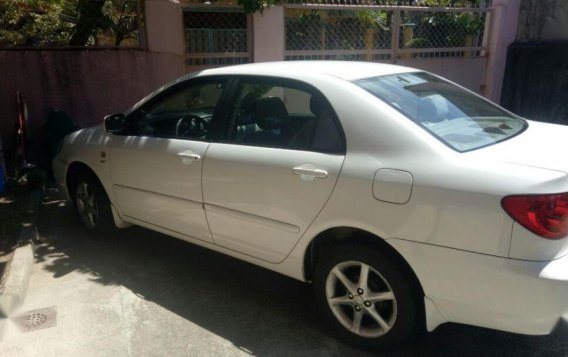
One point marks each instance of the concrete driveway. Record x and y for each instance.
(140, 293)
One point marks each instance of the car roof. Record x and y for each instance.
(347, 70)
(299, 70)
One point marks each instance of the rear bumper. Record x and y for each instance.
(505, 294)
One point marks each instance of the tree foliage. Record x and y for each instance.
(455, 3)
(35, 23)
(252, 6)
(31, 23)
(374, 19)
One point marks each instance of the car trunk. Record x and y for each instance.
(542, 146)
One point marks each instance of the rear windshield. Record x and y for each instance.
(458, 118)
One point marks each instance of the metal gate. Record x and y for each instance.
(361, 31)
(214, 37)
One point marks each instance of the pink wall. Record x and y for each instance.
(85, 84)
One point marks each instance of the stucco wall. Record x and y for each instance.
(85, 84)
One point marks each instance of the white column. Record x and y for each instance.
(502, 32)
(268, 35)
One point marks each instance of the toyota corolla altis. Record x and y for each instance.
(406, 200)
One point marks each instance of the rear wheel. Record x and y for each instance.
(366, 298)
(92, 204)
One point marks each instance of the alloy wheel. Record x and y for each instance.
(361, 299)
(87, 207)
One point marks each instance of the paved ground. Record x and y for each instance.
(144, 294)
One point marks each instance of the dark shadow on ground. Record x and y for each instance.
(15, 212)
(257, 310)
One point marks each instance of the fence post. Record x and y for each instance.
(164, 26)
(395, 23)
(269, 34)
(141, 19)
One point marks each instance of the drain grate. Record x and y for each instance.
(37, 319)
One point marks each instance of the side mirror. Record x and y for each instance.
(115, 123)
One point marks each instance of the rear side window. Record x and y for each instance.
(458, 118)
(282, 115)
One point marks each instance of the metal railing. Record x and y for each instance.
(71, 24)
(370, 31)
(447, 4)
(216, 38)
(216, 47)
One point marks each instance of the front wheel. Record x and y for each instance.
(92, 204)
(366, 298)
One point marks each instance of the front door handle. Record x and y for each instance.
(187, 157)
(308, 172)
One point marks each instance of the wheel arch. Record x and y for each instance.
(75, 168)
(350, 235)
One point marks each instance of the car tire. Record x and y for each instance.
(92, 204)
(382, 313)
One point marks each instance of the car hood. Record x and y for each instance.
(541, 145)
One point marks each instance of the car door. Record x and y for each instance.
(156, 164)
(275, 169)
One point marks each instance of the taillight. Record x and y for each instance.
(544, 215)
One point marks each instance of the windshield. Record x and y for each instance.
(458, 118)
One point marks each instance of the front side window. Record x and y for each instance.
(185, 113)
(458, 118)
(284, 116)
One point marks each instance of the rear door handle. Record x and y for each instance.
(187, 157)
(308, 172)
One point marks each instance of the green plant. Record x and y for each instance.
(419, 42)
(307, 19)
(90, 18)
(374, 19)
(451, 3)
(449, 29)
(471, 24)
(32, 23)
(252, 6)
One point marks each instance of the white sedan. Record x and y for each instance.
(406, 200)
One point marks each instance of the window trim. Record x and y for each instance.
(284, 82)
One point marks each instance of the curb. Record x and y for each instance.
(18, 279)
(20, 269)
